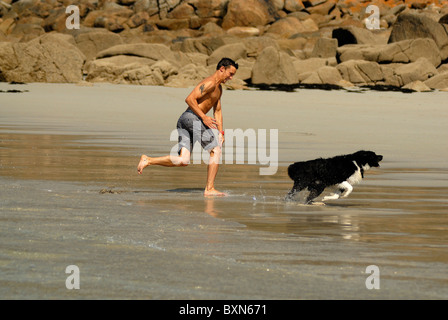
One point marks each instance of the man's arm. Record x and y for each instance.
(197, 94)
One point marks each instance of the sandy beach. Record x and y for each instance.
(70, 195)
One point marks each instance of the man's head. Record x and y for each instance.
(227, 67)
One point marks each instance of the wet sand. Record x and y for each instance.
(70, 195)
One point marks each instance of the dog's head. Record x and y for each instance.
(367, 159)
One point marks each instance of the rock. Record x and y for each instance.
(182, 11)
(209, 8)
(49, 58)
(411, 50)
(152, 51)
(390, 78)
(235, 84)
(138, 19)
(399, 52)
(355, 35)
(444, 19)
(121, 69)
(419, 70)
(289, 26)
(255, 45)
(309, 65)
(245, 67)
(413, 26)
(205, 45)
(244, 31)
(324, 75)
(173, 24)
(91, 43)
(7, 26)
(211, 29)
(439, 81)
(293, 5)
(113, 19)
(325, 48)
(55, 21)
(187, 76)
(27, 31)
(274, 67)
(195, 58)
(442, 68)
(360, 72)
(322, 9)
(417, 86)
(249, 13)
(233, 51)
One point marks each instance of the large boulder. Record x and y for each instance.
(233, 51)
(121, 69)
(361, 72)
(48, 58)
(419, 70)
(439, 81)
(325, 48)
(289, 26)
(399, 52)
(205, 45)
(418, 86)
(324, 75)
(151, 51)
(309, 65)
(414, 26)
(209, 8)
(274, 67)
(355, 35)
(91, 43)
(188, 76)
(249, 13)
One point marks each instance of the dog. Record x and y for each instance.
(341, 171)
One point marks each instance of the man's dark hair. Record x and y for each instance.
(226, 62)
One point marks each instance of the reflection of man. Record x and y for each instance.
(205, 96)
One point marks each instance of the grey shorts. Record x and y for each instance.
(190, 129)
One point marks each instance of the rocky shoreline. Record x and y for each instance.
(277, 43)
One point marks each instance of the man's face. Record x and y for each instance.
(228, 73)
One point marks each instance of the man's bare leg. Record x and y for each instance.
(212, 171)
(166, 161)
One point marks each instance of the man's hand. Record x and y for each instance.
(210, 122)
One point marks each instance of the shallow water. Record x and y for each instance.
(70, 194)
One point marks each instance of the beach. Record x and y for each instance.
(70, 195)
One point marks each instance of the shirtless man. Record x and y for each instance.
(205, 96)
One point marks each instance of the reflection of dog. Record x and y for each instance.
(341, 171)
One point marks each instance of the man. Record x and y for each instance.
(194, 124)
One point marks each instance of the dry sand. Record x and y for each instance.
(70, 195)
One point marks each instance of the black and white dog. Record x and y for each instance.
(341, 171)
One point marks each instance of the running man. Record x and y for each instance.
(194, 125)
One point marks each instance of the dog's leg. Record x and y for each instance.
(333, 196)
(347, 187)
(291, 194)
(315, 191)
(296, 188)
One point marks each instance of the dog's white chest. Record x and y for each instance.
(356, 177)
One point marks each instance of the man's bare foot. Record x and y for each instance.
(144, 162)
(214, 193)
